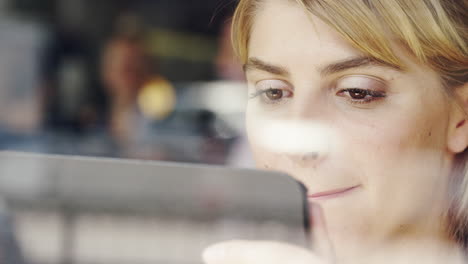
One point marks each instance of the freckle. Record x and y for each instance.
(266, 166)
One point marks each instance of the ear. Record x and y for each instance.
(458, 137)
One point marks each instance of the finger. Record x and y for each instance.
(320, 240)
(261, 252)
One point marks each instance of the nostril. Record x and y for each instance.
(306, 159)
(310, 156)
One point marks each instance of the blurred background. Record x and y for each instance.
(135, 79)
(145, 79)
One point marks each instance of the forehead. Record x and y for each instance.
(284, 32)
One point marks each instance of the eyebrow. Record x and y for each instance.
(354, 62)
(257, 64)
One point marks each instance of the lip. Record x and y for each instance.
(332, 193)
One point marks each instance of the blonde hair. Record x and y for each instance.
(434, 31)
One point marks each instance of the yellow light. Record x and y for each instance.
(157, 99)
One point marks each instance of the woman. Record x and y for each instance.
(385, 84)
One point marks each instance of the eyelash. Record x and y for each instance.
(260, 92)
(374, 95)
(263, 93)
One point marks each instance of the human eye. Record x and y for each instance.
(272, 91)
(361, 89)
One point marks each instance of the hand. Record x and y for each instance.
(269, 252)
(258, 252)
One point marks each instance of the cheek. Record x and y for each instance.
(402, 161)
(408, 131)
(264, 158)
(267, 160)
(257, 153)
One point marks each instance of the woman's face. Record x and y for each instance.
(379, 134)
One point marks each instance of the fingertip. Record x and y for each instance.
(317, 218)
(225, 252)
(315, 210)
(214, 254)
(254, 252)
(319, 236)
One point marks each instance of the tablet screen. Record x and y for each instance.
(67, 209)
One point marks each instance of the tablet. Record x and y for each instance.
(102, 210)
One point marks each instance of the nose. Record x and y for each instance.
(307, 160)
(308, 114)
(310, 156)
(302, 140)
(309, 104)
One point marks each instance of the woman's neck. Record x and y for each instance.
(425, 251)
(411, 247)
